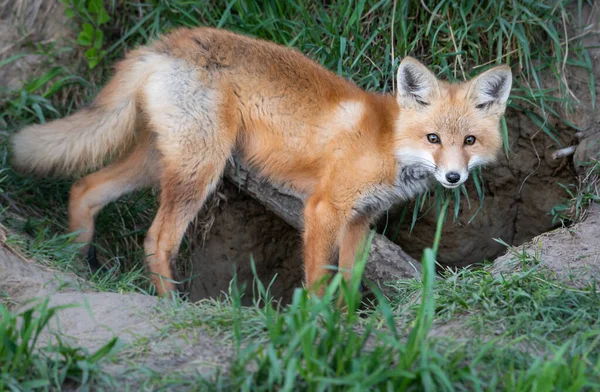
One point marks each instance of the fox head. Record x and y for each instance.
(449, 129)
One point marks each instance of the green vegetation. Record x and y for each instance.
(92, 15)
(24, 365)
(463, 330)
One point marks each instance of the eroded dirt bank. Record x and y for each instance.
(139, 321)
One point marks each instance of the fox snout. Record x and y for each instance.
(451, 178)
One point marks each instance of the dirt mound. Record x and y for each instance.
(22, 280)
(571, 254)
(137, 320)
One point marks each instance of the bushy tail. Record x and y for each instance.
(83, 140)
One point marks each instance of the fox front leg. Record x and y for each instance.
(323, 223)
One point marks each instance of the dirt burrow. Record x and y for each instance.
(242, 230)
(140, 323)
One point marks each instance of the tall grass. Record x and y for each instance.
(354, 38)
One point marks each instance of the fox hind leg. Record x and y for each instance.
(183, 193)
(90, 194)
(196, 132)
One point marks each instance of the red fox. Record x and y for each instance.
(177, 109)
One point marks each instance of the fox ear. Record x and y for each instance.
(417, 85)
(490, 90)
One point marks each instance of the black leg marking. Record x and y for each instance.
(91, 256)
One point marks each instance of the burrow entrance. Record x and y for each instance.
(244, 230)
(520, 192)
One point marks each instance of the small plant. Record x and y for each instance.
(93, 14)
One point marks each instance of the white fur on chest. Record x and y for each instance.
(411, 180)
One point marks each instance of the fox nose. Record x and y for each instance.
(452, 177)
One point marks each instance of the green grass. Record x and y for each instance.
(518, 332)
(26, 365)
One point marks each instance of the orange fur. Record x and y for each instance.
(177, 109)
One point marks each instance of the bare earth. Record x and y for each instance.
(572, 254)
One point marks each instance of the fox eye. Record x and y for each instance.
(433, 138)
(470, 140)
